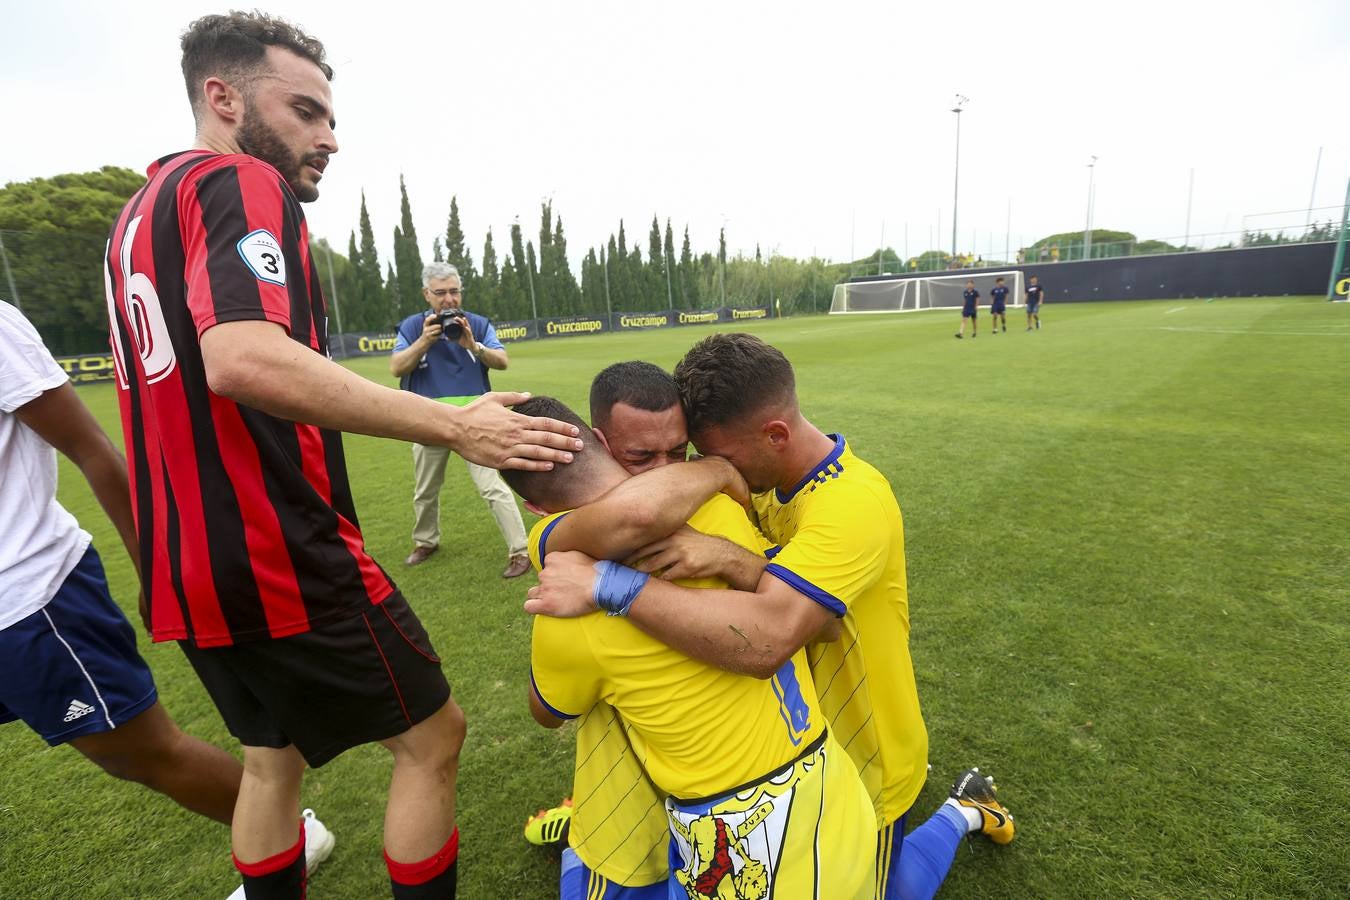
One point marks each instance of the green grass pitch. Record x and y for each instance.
(1129, 592)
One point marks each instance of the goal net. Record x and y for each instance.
(930, 292)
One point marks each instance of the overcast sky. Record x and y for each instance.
(805, 127)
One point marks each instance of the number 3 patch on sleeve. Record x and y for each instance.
(262, 253)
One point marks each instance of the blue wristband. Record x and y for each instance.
(617, 587)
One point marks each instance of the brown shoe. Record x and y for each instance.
(420, 555)
(516, 566)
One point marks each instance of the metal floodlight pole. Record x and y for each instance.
(1087, 225)
(956, 178)
(1190, 195)
(1313, 194)
(1338, 263)
(1007, 234)
(881, 250)
(332, 285)
(534, 308)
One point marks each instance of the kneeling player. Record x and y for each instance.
(760, 798)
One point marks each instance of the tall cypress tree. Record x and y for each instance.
(489, 281)
(607, 259)
(407, 257)
(532, 282)
(668, 263)
(546, 289)
(656, 269)
(515, 303)
(457, 253)
(565, 283)
(373, 300)
(689, 286)
(393, 300)
(591, 285)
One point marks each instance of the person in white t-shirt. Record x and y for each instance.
(57, 616)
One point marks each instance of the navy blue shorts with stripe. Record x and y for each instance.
(72, 668)
(364, 678)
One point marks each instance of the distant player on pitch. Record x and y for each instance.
(1035, 294)
(998, 309)
(970, 306)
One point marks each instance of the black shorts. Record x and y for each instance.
(364, 678)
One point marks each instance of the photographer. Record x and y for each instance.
(445, 354)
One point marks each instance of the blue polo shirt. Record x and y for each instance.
(1000, 294)
(447, 370)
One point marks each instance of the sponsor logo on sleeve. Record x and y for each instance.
(262, 252)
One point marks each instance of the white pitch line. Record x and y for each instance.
(1178, 309)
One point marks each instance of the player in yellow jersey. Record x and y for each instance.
(842, 554)
(761, 799)
(614, 823)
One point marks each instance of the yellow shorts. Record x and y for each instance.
(803, 832)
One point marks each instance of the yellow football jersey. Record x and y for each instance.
(843, 546)
(699, 730)
(619, 826)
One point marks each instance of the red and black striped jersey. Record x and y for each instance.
(246, 521)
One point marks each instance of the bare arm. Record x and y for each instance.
(404, 361)
(61, 419)
(645, 507)
(255, 363)
(689, 553)
(494, 358)
(748, 633)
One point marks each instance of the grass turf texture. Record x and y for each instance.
(1128, 582)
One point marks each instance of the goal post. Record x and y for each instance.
(924, 292)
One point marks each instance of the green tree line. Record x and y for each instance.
(53, 233)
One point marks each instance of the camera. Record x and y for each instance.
(451, 327)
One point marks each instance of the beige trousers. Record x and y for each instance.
(429, 475)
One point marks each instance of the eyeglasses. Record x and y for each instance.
(447, 292)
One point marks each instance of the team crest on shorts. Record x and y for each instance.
(731, 848)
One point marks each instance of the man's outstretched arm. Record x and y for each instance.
(689, 553)
(256, 364)
(645, 507)
(61, 419)
(739, 631)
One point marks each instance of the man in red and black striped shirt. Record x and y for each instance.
(251, 551)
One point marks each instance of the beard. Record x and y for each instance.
(258, 139)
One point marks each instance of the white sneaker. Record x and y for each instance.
(319, 843)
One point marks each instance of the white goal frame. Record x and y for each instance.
(923, 292)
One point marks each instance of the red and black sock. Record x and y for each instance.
(280, 877)
(430, 879)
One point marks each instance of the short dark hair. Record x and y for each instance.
(998, 280)
(725, 377)
(233, 47)
(639, 384)
(565, 485)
